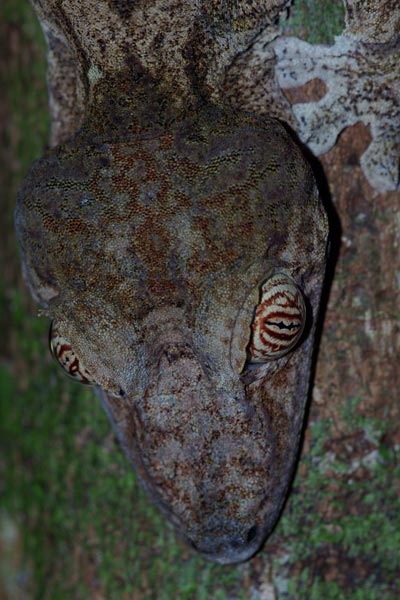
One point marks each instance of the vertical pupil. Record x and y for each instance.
(281, 324)
(278, 321)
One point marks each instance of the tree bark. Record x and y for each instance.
(338, 534)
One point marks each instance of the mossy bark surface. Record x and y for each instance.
(70, 502)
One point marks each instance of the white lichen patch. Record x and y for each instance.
(94, 74)
(362, 74)
(361, 85)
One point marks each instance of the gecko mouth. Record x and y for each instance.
(234, 549)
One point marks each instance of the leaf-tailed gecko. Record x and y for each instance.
(178, 247)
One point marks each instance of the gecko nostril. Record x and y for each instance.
(251, 534)
(242, 542)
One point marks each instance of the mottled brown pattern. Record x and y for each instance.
(146, 237)
(188, 46)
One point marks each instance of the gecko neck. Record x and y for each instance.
(134, 103)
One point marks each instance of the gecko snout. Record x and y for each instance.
(234, 548)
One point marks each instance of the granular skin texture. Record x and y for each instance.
(146, 237)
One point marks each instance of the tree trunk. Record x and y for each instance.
(338, 536)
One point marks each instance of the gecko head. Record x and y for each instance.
(203, 420)
(178, 268)
(216, 452)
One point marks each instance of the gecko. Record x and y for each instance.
(178, 247)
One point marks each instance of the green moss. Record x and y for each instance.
(361, 527)
(65, 483)
(316, 21)
(24, 83)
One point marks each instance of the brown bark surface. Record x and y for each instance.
(338, 536)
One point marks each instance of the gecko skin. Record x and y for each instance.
(147, 238)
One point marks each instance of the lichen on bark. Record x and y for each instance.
(361, 71)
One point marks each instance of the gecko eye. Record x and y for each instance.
(279, 319)
(64, 354)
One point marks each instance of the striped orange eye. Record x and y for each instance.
(63, 353)
(278, 321)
